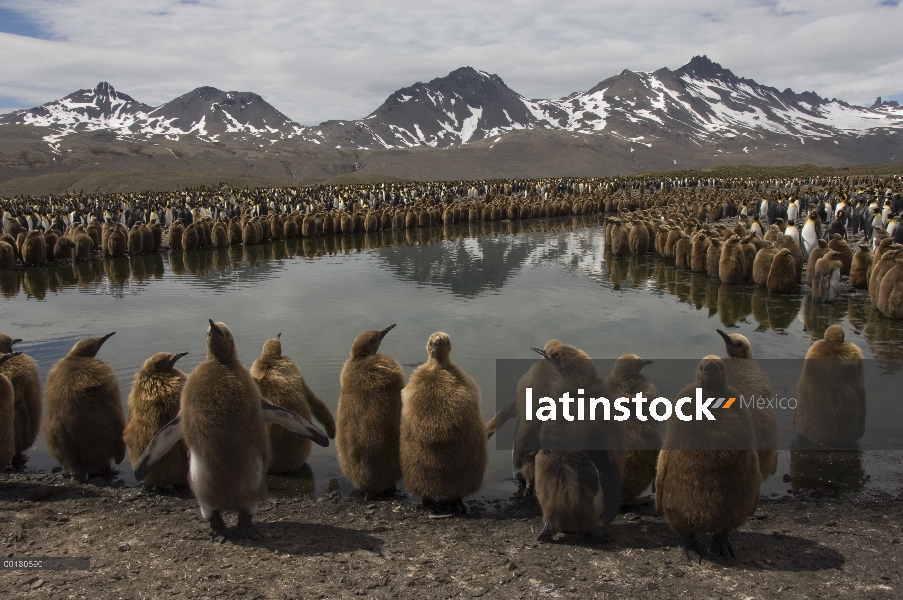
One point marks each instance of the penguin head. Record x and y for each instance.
(439, 346)
(7, 343)
(711, 372)
(88, 348)
(834, 334)
(162, 362)
(832, 255)
(560, 355)
(220, 343)
(367, 343)
(272, 348)
(629, 365)
(737, 345)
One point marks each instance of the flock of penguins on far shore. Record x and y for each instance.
(214, 428)
(771, 245)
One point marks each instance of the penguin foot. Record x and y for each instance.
(18, 462)
(383, 495)
(217, 528)
(457, 507)
(547, 533)
(530, 489)
(430, 504)
(245, 528)
(721, 545)
(691, 548)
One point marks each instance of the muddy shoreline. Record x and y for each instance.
(155, 545)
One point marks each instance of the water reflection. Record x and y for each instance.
(820, 473)
(470, 259)
(818, 316)
(300, 483)
(488, 276)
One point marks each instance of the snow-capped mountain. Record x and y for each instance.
(205, 112)
(699, 103)
(701, 100)
(100, 108)
(210, 112)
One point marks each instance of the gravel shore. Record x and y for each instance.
(155, 545)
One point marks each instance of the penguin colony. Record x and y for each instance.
(576, 488)
(677, 218)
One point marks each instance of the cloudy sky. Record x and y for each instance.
(339, 59)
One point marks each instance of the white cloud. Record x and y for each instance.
(319, 60)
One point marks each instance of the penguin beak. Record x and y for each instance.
(383, 333)
(14, 342)
(541, 352)
(6, 357)
(177, 357)
(214, 328)
(646, 363)
(105, 338)
(727, 338)
(279, 336)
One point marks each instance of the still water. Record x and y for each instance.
(496, 288)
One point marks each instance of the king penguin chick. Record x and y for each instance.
(831, 391)
(540, 379)
(222, 419)
(22, 372)
(708, 471)
(782, 274)
(579, 465)
(862, 263)
(732, 264)
(154, 402)
(746, 376)
(7, 416)
(890, 296)
(443, 442)
(369, 416)
(84, 421)
(282, 384)
(826, 283)
(643, 437)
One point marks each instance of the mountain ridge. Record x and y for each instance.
(468, 122)
(700, 98)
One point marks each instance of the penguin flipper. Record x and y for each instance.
(321, 413)
(500, 418)
(294, 422)
(609, 484)
(818, 286)
(120, 451)
(160, 445)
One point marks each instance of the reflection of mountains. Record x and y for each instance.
(465, 266)
(486, 255)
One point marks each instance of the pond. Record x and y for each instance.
(496, 288)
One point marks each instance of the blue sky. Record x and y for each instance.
(322, 59)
